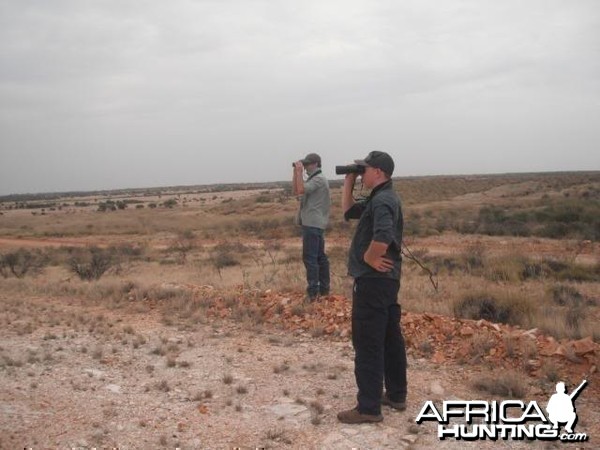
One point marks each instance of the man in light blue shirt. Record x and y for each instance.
(313, 217)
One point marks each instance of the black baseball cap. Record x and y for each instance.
(311, 158)
(378, 160)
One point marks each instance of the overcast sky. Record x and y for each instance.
(116, 94)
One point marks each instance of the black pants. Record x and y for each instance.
(380, 354)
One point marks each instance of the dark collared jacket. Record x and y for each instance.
(380, 220)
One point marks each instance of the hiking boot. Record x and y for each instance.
(399, 406)
(324, 293)
(353, 416)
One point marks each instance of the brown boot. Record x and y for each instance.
(400, 406)
(353, 416)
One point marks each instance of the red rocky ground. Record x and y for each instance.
(442, 339)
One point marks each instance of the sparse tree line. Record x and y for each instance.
(103, 206)
(141, 192)
(571, 218)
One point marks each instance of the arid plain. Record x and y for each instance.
(174, 317)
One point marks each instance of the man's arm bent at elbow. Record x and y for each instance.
(375, 257)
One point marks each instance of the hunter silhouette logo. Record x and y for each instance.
(560, 407)
(508, 419)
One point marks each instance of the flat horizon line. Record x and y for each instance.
(260, 184)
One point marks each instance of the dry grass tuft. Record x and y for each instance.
(504, 383)
(283, 367)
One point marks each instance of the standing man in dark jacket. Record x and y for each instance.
(313, 216)
(375, 264)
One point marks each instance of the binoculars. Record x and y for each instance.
(350, 168)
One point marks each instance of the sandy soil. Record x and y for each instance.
(85, 376)
(76, 374)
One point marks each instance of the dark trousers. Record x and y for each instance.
(315, 261)
(380, 354)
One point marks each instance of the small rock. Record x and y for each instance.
(94, 373)
(410, 438)
(466, 331)
(583, 346)
(349, 431)
(438, 357)
(534, 363)
(531, 334)
(414, 429)
(114, 388)
(436, 389)
(288, 410)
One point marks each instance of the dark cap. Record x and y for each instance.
(378, 160)
(311, 158)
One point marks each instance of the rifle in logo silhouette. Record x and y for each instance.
(575, 393)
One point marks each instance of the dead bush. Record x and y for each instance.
(182, 245)
(20, 262)
(224, 259)
(509, 309)
(566, 296)
(92, 263)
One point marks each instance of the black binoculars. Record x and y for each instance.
(350, 168)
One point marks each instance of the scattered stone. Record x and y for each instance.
(583, 346)
(288, 410)
(410, 438)
(438, 357)
(534, 364)
(531, 333)
(94, 373)
(466, 331)
(114, 388)
(349, 431)
(414, 429)
(436, 389)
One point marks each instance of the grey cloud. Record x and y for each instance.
(170, 85)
